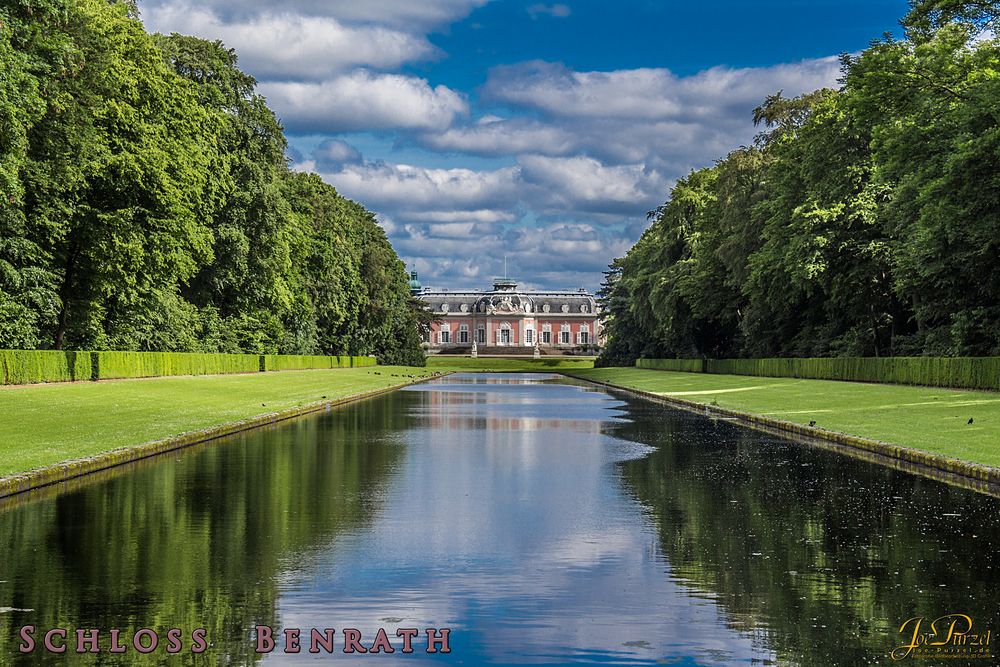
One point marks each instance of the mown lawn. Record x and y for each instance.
(44, 424)
(932, 419)
(500, 364)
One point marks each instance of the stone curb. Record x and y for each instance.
(964, 473)
(67, 470)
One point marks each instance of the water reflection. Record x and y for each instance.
(517, 533)
(541, 520)
(819, 556)
(203, 539)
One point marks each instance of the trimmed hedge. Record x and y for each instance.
(34, 366)
(681, 365)
(956, 372)
(301, 362)
(114, 365)
(281, 362)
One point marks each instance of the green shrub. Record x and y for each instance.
(957, 372)
(32, 366)
(681, 365)
(288, 362)
(268, 362)
(113, 365)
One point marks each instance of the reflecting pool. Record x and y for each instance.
(540, 519)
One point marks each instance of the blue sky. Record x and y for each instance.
(542, 132)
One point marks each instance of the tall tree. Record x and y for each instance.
(147, 203)
(863, 221)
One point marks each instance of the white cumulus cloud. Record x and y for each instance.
(286, 46)
(584, 184)
(407, 189)
(651, 93)
(503, 137)
(362, 100)
(402, 14)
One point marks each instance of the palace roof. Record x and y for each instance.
(506, 299)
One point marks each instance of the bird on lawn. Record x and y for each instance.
(812, 422)
(970, 421)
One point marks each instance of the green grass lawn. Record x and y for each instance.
(500, 364)
(45, 424)
(932, 419)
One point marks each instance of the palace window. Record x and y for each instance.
(584, 335)
(463, 333)
(445, 336)
(503, 335)
(481, 334)
(529, 336)
(546, 337)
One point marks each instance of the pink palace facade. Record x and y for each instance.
(507, 320)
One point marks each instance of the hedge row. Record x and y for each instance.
(283, 362)
(28, 366)
(33, 366)
(113, 365)
(682, 365)
(957, 372)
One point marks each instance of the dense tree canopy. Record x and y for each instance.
(146, 203)
(862, 221)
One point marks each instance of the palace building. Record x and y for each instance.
(506, 320)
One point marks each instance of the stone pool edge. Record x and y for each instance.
(65, 471)
(969, 475)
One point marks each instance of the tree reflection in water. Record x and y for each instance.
(820, 555)
(200, 542)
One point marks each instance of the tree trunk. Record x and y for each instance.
(64, 296)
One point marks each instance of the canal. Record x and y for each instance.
(541, 520)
